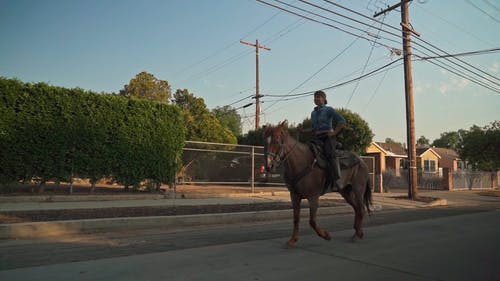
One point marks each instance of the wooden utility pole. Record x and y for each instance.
(257, 94)
(410, 112)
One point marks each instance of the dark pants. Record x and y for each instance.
(329, 146)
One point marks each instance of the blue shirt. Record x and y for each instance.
(323, 116)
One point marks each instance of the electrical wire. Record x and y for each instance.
(457, 64)
(471, 53)
(314, 74)
(460, 73)
(324, 23)
(491, 5)
(369, 74)
(363, 71)
(481, 10)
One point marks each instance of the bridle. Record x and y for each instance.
(279, 156)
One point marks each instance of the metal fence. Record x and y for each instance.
(474, 180)
(230, 164)
(461, 179)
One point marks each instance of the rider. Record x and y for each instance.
(327, 123)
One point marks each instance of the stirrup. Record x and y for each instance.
(337, 185)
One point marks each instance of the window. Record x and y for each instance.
(429, 165)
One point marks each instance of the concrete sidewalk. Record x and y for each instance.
(62, 202)
(43, 229)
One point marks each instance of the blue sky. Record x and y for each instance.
(194, 44)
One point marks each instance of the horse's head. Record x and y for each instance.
(274, 138)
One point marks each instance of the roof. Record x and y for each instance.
(446, 153)
(392, 149)
(422, 150)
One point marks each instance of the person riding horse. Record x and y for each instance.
(323, 118)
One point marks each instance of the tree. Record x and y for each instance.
(449, 140)
(423, 141)
(252, 137)
(481, 147)
(201, 124)
(146, 86)
(229, 118)
(356, 137)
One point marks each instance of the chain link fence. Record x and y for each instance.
(231, 164)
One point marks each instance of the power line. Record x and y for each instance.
(334, 86)
(324, 23)
(481, 10)
(364, 68)
(355, 20)
(460, 73)
(446, 55)
(240, 100)
(480, 52)
(456, 71)
(365, 16)
(315, 73)
(369, 74)
(461, 29)
(457, 64)
(376, 90)
(491, 5)
(215, 53)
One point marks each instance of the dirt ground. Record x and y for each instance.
(188, 191)
(109, 189)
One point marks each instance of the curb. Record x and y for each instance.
(58, 228)
(438, 202)
(78, 198)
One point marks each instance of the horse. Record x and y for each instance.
(305, 180)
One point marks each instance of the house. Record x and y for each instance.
(388, 156)
(449, 159)
(428, 160)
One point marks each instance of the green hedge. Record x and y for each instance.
(53, 133)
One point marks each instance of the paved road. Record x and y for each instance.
(459, 243)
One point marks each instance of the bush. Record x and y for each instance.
(53, 133)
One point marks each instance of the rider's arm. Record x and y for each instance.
(339, 120)
(338, 128)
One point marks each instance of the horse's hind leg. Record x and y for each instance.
(296, 219)
(358, 222)
(313, 208)
(357, 205)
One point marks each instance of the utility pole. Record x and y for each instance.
(257, 94)
(410, 112)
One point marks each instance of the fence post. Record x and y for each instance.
(447, 179)
(253, 169)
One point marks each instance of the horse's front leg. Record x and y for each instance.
(313, 209)
(296, 219)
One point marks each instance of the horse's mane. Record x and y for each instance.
(281, 130)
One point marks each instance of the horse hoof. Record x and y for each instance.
(356, 237)
(327, 236)
(290, 244)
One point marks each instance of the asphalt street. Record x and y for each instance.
(443, 243)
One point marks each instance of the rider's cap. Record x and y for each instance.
(321, 94)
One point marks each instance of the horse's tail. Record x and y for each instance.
(368, 199)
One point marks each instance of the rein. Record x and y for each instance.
(294, 180)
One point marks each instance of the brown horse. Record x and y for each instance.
(305, 180)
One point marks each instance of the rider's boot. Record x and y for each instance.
(337, 179)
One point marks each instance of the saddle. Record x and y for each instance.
(347, 159)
